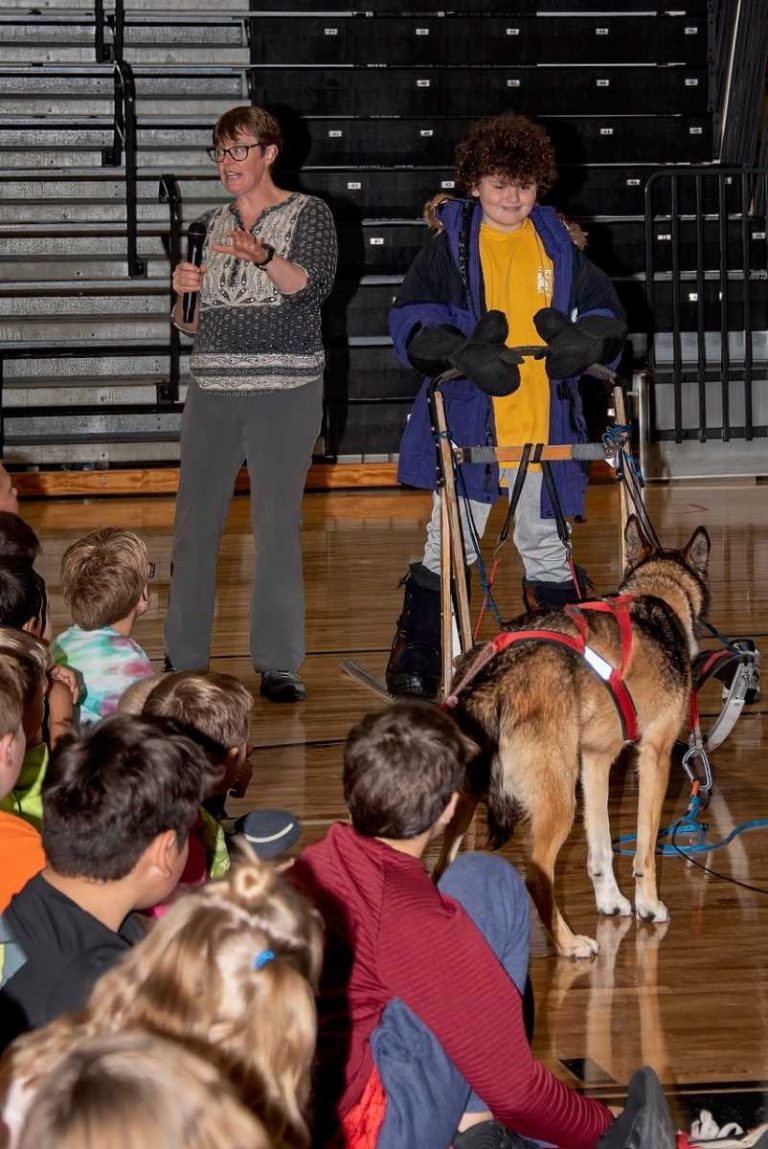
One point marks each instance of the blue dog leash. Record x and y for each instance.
(688, 824)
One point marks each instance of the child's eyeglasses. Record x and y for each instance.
(152, 570)
(238, 152)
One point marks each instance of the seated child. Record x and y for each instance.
(104, 580)
(118, 802)
(17, 539)
(214, 709)
(24, 608)
(229, 972)
(33, 660)
(21, 851)
(23, 597)
(421, 993)
(9, 497)
(156, 1091)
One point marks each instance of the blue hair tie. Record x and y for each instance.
(263, 959)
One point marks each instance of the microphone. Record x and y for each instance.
(195, 241)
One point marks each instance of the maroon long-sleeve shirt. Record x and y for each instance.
(392, 934)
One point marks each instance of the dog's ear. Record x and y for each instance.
(696, 551)
(637, 544)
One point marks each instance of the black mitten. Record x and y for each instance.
(574, 347)
(481, 356)
(429, 348)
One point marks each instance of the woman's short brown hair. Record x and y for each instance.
(401, 768)
(248, 120)
(507, 145)
(103, 576)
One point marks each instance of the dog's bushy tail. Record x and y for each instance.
(503, 810)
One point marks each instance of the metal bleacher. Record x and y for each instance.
(372, 105)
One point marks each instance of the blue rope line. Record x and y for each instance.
(689, 825)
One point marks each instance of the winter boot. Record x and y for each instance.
(414, 667)
(556, 595)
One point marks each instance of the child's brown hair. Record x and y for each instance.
(508, 145)
(103, 576)
(401, 767)
(217, 706)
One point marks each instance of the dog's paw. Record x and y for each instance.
(613, 904)
(578, 946)
(651, 911)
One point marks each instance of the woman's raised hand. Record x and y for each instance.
(244, 246)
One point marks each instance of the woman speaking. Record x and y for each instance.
(268, 262)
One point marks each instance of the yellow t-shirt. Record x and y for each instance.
(517, 273)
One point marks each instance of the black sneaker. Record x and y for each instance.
(282, 686)
(491, 1135)
(646, 1122)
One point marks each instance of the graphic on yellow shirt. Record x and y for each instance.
(517, 273)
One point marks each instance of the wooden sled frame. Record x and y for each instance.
(454, 598)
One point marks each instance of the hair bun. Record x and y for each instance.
(251, 881)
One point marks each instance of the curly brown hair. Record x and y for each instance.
(507, 145)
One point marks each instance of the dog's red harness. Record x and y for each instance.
(611, 676)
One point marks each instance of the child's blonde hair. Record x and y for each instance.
(20, 643)
(230, 972)
(217, 706)
(12, 693)
(103, 576)
(31, 656)
(132, 699)
(131, 1090)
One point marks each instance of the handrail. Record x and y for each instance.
(117, 21)
(106, 53)
(102, 49)
(725, 198)
(168, 192)
(124, 139)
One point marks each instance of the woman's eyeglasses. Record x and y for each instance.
(238, 152)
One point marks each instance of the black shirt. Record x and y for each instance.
(51, 953)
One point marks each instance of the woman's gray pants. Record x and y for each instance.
(274, 432)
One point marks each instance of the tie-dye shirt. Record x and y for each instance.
(106, 664)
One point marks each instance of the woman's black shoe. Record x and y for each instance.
(282, 686)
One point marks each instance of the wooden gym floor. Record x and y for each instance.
(689, 997)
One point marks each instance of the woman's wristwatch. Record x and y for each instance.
(270, 255)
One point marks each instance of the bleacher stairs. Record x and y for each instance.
(372, 104)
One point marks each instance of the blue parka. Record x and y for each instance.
(445, 285)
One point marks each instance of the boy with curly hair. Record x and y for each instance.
(105, 582)
(497, 249)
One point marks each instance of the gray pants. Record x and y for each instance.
(537, 541)
(274, 432)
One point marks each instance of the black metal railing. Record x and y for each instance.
(168, 192)
(124, 143)
(102, 49)
(707, 283)
(117, 24)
